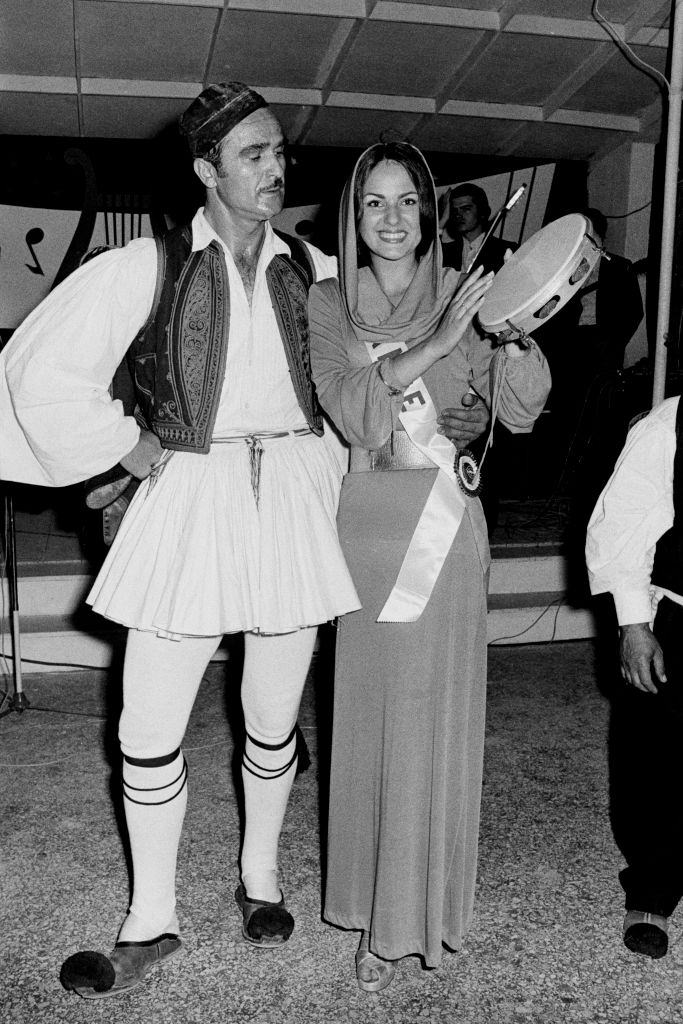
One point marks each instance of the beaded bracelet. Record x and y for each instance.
(390, 387)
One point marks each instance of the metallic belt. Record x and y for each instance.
(398, 452)
(258, 434)
(253, 443)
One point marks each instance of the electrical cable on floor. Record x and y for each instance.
(55, 664)
(38, 764)
(61, 711)
(67, 760)
(559, 601)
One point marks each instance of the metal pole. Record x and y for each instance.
(673, 139)
(18, 702)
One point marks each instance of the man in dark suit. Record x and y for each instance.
(468, 220)
(610, 302)
(585, 344)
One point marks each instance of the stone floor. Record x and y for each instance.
(545, 942)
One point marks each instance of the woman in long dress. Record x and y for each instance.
(394, 354)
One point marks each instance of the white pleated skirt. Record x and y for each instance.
(196, 556)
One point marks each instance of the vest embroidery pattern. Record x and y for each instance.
(288, 289)
(199, 319)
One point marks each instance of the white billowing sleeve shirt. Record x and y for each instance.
(632, 513)
(58, 422)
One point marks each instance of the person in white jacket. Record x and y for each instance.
(634, 551)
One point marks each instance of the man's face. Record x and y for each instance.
(464, 214)
(250, 180)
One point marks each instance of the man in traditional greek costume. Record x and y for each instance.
(233, 526)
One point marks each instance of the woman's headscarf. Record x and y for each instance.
(417, 315)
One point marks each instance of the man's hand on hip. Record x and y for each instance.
(464, 425)
(641, 657)
(142, 458)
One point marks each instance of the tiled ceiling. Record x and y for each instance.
(541, 79)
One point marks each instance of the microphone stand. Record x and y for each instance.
(492, 227)
(18, 702)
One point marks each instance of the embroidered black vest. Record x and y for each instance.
(177, 361)
(667, 570)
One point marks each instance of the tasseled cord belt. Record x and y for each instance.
(256, 449)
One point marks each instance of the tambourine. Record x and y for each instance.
(539, 278)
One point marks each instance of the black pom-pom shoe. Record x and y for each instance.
(96, 976)
(264, 924)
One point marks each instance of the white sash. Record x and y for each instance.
(445, 506)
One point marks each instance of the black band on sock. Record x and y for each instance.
(156, 789)
(272, 746)
(152, 762)
(272, 773)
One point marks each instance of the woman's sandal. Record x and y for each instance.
(372, 972)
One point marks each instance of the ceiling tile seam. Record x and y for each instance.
(586, 70)
(512, 140)
(565, 28)
(433, 14)
(290, 97)
(167, 3)
(504, 111)
(80, 113)
(419, 126)
(595, 119)
(141, 90)
(39, 83)
(643, 13)
(342, 40)
(520, 112)
(507, 11)
(304, 122)
(340, 8)
(212, 45)
(651, 115)
(517, 24)
(645, 37)
(468, 66)
(314, 98)
(376, 101)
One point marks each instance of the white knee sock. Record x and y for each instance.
(268, 772)
(275, 669)
(155, 798)
(160, 681)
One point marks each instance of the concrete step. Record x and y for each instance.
(58, 632)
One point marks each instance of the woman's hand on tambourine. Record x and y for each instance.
(459, 314)
(141, 459)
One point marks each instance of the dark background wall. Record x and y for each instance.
(159, 172)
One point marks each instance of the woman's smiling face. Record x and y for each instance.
(390, 219)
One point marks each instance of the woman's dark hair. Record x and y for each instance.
(408, 157)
